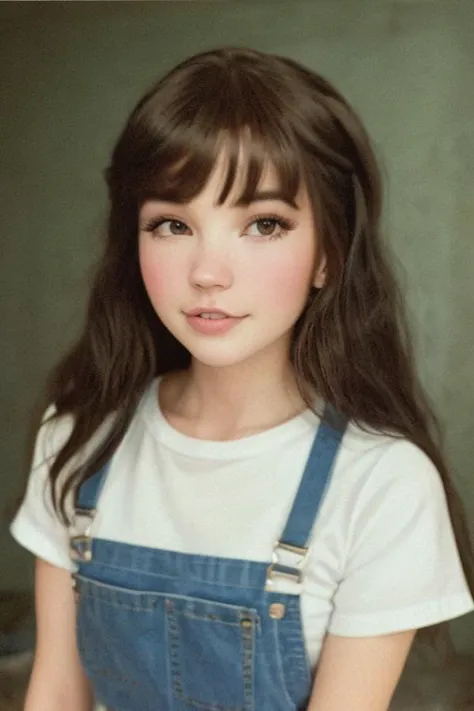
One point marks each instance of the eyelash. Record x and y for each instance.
(283, 224)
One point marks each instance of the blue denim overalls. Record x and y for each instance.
(165, 631)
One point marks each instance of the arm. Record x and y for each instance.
(57, 680)
(359, 673)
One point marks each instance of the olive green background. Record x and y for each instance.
(70, 73)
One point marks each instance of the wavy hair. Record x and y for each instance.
(350, 345)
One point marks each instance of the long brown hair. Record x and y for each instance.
(350, 345)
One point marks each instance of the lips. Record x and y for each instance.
(212, 316)
(210, 313)
(212, 322)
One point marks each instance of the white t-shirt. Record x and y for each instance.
(383, 556)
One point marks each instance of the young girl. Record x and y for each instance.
(237, 471)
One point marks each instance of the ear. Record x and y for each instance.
(320, 274)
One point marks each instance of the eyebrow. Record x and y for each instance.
(261, 196)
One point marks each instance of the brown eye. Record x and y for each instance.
(269, 227)
(176, 227)
(166, 227)
(266, 226)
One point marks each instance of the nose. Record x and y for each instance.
(210, 269)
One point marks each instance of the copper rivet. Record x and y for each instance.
(276, 610)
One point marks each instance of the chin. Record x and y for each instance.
(215, 357)
(232, 349)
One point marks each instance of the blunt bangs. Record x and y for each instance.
(179, 137)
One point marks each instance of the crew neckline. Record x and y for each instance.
(250, 446)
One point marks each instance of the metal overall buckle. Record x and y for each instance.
(289, 569)
(80, 545)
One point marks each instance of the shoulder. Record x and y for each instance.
(388, 514)
(52, 435)
(378, 459)
(54, 432)
(378, 477)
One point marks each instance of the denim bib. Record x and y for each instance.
(165, 631)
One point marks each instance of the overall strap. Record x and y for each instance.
(90, 489)
(291, 550)
(80, 540)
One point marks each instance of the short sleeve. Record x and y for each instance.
(37, 527)
(402, 569)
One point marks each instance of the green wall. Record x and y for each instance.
(72, 71)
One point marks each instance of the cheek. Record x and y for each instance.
(158, 275)
(284, 281)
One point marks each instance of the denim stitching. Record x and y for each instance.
(297, 640)
(169, 670)
(279, 662)
(248, 648)
(247, 664)
(207, 618)
(109, 588)
(185, 575)
(173, 636)
(109, 593)
(149, 608)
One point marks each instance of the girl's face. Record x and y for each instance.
(230, 281)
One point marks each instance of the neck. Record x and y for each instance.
(235, 401)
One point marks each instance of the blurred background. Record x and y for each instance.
(72, 71)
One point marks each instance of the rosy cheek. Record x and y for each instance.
(155, 275)
(286, 281)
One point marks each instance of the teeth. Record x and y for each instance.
(212, 315)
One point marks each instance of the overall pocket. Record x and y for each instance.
(211, 649)
(120, 635)
(137, 647)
